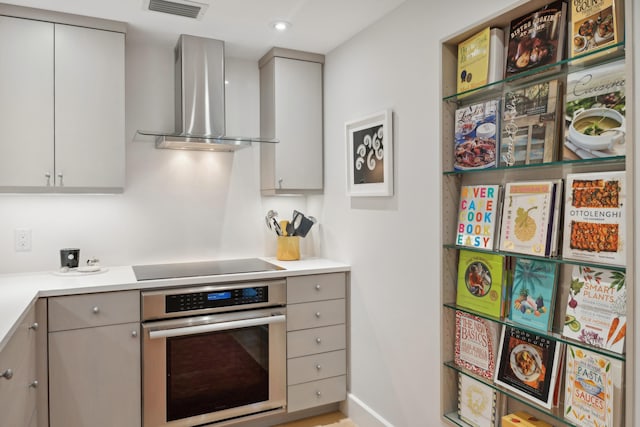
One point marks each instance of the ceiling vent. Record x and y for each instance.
(186, 8)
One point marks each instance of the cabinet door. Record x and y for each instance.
(18, 392)
(26, 103)
(296, 162)
(94, 377)
(89, 105)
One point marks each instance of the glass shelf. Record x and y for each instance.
(557, 260)
(556, 413)
(551, 335)
(611, 53)
(579, 162)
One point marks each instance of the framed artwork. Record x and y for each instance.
(370, 155)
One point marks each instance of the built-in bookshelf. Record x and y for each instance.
(452, 180)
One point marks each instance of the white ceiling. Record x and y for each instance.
(316, 25)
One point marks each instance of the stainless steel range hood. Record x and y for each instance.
(199, 99)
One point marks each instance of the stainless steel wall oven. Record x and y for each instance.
(213, 352)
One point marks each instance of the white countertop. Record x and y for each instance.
(18, 292)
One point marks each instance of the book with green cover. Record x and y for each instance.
(533, 293)
(481, 286)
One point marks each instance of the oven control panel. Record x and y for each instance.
(213, 299)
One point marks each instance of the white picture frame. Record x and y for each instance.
(370, 155)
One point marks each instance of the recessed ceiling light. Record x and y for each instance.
(281, 25)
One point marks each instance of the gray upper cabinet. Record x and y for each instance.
(62, 107)
(291, 111)
(26, 102)
(89, 106)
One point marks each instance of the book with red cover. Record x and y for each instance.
(476, 345)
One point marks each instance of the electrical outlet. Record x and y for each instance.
(23, 239)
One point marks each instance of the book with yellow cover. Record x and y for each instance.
(595, 25)
(593, 393)
(480, 59)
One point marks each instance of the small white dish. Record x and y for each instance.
(81, 271)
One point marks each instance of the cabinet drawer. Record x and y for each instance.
(17, 397)
(315, 314)
(318, 340)
(89, 310)
(316, 393)
(316, 287)
(316, 367)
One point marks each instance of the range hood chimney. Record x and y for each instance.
(200, 99)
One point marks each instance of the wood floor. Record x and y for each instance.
(320, 420)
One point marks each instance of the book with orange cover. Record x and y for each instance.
(594, 217)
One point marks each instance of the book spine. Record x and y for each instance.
(496, 55)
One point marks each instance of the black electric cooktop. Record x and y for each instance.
(203, 268)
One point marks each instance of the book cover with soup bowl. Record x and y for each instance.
(597, 128)
(594, 112)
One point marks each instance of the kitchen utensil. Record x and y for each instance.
(272, 222)
(301, 224)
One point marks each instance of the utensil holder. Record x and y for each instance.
(288, 248)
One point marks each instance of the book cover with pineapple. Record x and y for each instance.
(593, 388)
(597, 307)
(594, 218)
(533, 293)
(528, 217)
(480, 282)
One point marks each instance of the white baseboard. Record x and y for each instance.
(363, 415)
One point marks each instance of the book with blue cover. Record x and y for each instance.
(533, 293)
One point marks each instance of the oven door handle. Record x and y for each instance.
(221, 326)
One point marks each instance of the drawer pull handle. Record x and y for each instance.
(318, 314)
(95, 309)
(34, 384)
(34, 326)
(134, 333)
(318, 394)
(317, 287)
(318, 340)
(8, 374)
(318, 367)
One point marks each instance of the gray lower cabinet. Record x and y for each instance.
(316, 340)
(94, 360)
(18, 381)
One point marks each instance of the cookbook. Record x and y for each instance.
(481, 284)
(596, 310)
(531, 124)
(530, 217)
(595, 108)
(477, 402)
(480, 59)
(476, 345)
(528, 365)
(593, 388)
(595, 25)
(536, 39)
(594, 217)
(478, 214)
(533, 293)
(476, 135)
